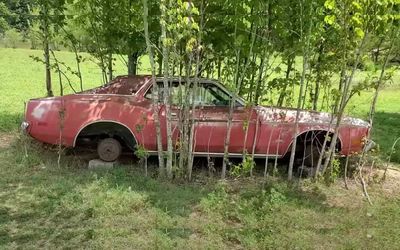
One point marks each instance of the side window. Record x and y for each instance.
(175, 93)
(207, 94)
(149, 94)
(212, 95)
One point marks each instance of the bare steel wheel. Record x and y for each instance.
(109, 149)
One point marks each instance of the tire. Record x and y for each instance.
(109, 149)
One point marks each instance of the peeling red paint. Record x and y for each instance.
(123, 101)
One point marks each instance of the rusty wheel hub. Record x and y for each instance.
(109, 149)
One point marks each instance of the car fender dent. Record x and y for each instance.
(99, 121)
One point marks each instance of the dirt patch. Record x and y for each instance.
(353, 197)
(6, 140)
(390, 185)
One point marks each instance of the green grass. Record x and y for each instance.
(43, 205)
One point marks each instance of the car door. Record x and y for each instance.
(213, 125)
(176, 93)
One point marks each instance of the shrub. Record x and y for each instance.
(11, 38)
(34, 37)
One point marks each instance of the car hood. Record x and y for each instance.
(275, 114)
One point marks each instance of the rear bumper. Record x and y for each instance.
(369, 146)
(25, 126)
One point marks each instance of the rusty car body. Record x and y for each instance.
(121, 112)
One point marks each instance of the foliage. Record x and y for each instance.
(11, 38)
(4, 12)
(141, 152)
(333, 173)
(244, 168)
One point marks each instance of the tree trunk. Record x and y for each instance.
(290, 61)
(57, 65)
(219, 66)
(155, 96)
(78, 66)
(230, 116)
(132, 63)
(46, 49)
(376, 52)
(306, 48)
(160, 63)
(343, 102)
(259, 82)
(110, 67)
(315, 96)
(192, 134)
(393, 38)
(48, 67)
(165, 52)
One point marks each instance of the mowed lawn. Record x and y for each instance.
(21, 78)
(46, 206)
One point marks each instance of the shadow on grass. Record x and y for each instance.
(38, 200)
(386, 131)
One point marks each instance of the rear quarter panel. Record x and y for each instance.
(43, 117)
(72, 113)
(82, 110)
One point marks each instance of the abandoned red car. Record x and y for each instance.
(109, 117)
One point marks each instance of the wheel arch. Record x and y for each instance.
(110, 127)
(320, 133)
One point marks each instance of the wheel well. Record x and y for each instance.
(311, 136)
(103, 129)
(316, 136)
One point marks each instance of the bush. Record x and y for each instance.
(369, 65)
(11, 38)
(34, 37)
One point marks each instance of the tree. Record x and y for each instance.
(354, 21)
(4, 13)
(51, 18)
(306, 28)
(155, 91)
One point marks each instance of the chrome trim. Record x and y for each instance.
(97, 121)
(232, 155)
(24, 126)
(369, 146)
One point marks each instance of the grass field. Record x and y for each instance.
(43, 205)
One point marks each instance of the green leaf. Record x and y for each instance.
(330, 19)
(356, 5)
(359, 32)
(357, 20)
(330, 4)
